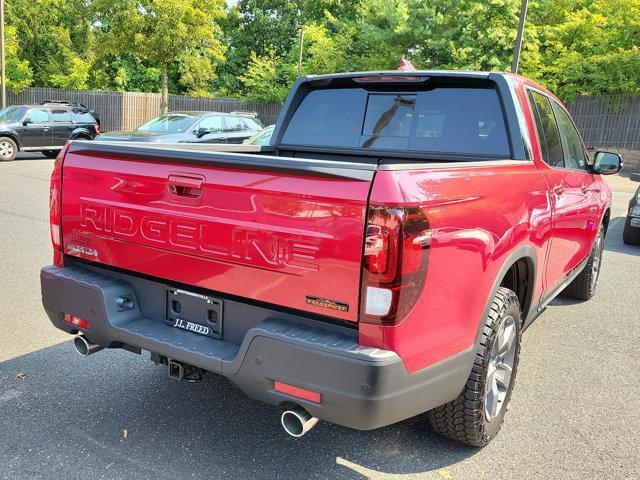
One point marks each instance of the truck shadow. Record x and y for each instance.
(69, 415)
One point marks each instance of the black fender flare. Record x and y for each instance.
(81, 133)
(528, 253)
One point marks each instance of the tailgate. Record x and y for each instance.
(284, 231)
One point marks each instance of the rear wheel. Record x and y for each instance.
(51, 153)
(8, 149)
(475, 417)
(630, 235)
(583, 287)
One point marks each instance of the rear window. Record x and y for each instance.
(462, 120)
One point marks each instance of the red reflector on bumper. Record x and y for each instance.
(78, 322)
(297, 392)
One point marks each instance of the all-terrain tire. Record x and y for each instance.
(583, 287)
(8, 149)
(630, 235)
(465, 419)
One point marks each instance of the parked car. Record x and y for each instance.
(191, 127)
(631, 233)
(381, 258)
(263, 137)
(45, 128)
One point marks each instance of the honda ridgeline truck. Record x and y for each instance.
(380, 259)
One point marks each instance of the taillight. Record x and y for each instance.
(97, 129)
(55, 208)
(396, 254)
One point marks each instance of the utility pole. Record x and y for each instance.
(516, 52)
(300, 52)
(3, 76)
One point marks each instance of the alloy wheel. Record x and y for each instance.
(595, 264)
(6, 150)
(500, 368)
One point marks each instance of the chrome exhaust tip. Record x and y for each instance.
(84, 347)
(297, 422)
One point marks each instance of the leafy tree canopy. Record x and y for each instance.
(204, 47)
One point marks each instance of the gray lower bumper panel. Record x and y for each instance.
(361, 387)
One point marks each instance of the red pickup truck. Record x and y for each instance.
(380, 259)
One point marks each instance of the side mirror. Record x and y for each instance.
(607, 163)
(201, 132)
(27, 121)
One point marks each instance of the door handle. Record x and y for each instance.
(186, 186)
(559, 189)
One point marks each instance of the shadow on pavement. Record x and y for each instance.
(21, 156)
(614, 241)
(67, 418)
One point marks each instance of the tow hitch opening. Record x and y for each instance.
(182, 371)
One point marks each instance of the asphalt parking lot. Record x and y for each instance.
(575, 412)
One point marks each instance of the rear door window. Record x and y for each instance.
(548, 133)
(61, 116)
(252, 124)
(455, 120)
(574, 156)
(213, 123)
(234, 124)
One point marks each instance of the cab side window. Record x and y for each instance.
(547, 127)
(39, 116)
(574, 156)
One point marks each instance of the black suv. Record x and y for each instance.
(44, 128)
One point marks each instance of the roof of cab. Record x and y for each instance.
(403, 73)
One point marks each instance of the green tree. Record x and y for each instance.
(19, 73)
(270, 29)
(164, 33)
(587, 47)
(51, 35)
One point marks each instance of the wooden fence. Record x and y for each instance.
(603, 122)
(128, 110)
(608, 122)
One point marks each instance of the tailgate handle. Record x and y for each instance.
(186, 186)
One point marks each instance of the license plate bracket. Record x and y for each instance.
(194, 312)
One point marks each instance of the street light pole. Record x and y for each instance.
(300, 51)
(516, 52)
(3, 76)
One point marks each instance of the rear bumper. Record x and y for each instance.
(360, 387)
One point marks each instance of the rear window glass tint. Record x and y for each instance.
(463, 120)
(328, 118)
